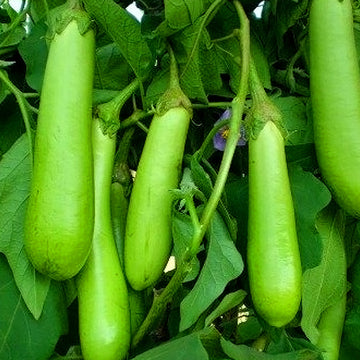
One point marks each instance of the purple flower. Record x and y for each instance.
(220, 137)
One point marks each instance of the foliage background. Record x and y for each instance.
(39, 317)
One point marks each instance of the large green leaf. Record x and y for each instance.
(182, 13)
(310, 196)
(223, 264)
(325, 284)
(15, 175)
(111, 71)
(125, 31)
(34, 52)
(198, 62)
(21, 336)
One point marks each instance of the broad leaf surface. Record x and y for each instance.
(15, 175)
(310, 196)
(21, 336)
(125, 31)
(223, 264)
(324, 284)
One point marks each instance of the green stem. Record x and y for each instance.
(160, 302)
(183, 268)
(174, 73)
(290, 70)
(224, 38)
(221, 105)
(124, 146)
(142, 127)
(135, 117)
(238, 105)
(330, 329)
(30, 95)
(258, 93)
(210, 136)
(193, 213)
(23, 105)
(109, 112)
(207, 15)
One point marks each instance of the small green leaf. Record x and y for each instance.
(223, 264)
(15, 175)
(182, 231)
(21, 336)
(296, 122)
(248, 330)
(228, 302)
(326, 283)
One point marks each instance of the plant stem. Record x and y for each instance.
(174, 73)
(210, 137)
(109, 112)
(23, 105)
(135, 117)
(222, 104)
(238, 105)
(184, 266)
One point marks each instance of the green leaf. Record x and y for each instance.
(326, 283)
(38, 8)
(199, 67)
(15, 175)
(9, 36)
(299, 128)
(111, 71)
(34, 52)
(243, 352)
(352, 322)
(227, 303)
(223, 264)
(182, 13)
(237, 190)
(201, 178)
(261, 62)
(248, 330)
(185, 348)
(21, 336)
(286, 15)
(182, 231)
(157, 87)
(125, 31)
(310, 196)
